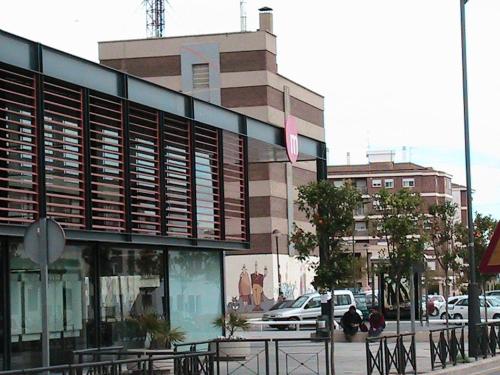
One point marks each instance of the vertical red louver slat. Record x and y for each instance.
(207, 183)
(178, 179)
(144, 170)
(234, 187)
(64, 154)
(106, 148)
(18, 148)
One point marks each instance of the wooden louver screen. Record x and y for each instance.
(144, 170)
(126, 149)
(18, 151)
(234, 187)
(207, 182)
(64, 160)
(106, 148)
(178, 180)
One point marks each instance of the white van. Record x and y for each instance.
(308, 307)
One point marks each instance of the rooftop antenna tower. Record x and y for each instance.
(243, 15)
(155, 17)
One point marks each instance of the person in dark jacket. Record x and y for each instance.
(350, 322)
(377, 323)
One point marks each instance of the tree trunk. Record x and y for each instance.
(446, 294)
(398, 313)
(332, 336)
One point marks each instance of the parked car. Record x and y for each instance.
(493, 293)
(279, 306)
(308, 307)
(371, 301)
(451, 302)
(461, 309)
(282, 304)
(362, 305)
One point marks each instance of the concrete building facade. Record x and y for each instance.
(150, 186)
(382, 171)
(239, 70)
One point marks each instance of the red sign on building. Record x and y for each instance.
(291, 139)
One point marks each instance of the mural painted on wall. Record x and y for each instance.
(252, 281)
(251, 290)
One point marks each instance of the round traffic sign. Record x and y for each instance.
(44, 241)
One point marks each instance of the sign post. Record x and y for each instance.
(44, 242)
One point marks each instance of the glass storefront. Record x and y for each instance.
(2, 308)
(195, 292)
(71, 313)
(131, 286)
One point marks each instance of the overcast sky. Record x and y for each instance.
(389, 69)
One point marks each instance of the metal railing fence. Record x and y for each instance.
(446, 346)
(297, 356)
(391, 353)
(188, 363)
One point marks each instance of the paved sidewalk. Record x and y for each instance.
(350, 358)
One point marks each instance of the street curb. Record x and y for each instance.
(472, 368)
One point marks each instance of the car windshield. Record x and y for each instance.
(300, 301)
(494, 302)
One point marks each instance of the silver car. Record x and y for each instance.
(308, 307)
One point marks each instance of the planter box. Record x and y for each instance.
(234, 350)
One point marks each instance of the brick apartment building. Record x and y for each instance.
(239, 70)
(382, 172)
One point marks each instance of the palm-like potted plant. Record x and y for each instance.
(158, 334)
(231, 346)
(159, 337)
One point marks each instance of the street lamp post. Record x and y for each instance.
(276, 234)
(474, 314)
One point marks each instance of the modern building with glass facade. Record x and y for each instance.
(150, 186)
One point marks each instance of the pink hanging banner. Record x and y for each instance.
(292, 139)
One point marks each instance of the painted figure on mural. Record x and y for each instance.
(258, 287)
(245, 287)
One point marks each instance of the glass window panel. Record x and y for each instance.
(195, 292)
(2, 312)
(132, 284)
(70, 301)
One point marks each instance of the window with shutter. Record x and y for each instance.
(200, 76)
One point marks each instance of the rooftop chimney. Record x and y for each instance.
(266, 19)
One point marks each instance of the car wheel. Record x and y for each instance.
(434, 312)
(294, 319)
(443, 316)
(496, 316)
(457, 316)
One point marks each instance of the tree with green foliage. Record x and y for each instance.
(444, 233)
(330, 210)
(399, 224)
